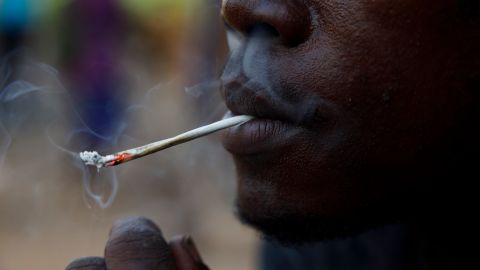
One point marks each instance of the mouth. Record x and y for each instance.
(273, 126)
(259, 135)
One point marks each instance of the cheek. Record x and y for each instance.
(398, 99)
(391, 76)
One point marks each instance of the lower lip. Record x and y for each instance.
(258, 135)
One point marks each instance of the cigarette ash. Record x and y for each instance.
(95, 159)
(92, 158)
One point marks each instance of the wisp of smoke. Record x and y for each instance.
(252, 61)
(34, 101)
(207, 99)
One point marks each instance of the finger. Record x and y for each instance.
(137, 243)
(185, 254)
(87, 263)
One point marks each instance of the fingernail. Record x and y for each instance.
(190, 246)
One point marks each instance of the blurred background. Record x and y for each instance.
(109, 75)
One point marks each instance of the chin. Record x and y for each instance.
(294, 229)
(292, 222)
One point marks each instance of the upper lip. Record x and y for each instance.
(244, 96)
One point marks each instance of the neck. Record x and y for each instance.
(445, 232)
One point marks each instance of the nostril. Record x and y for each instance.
(262, 30)
(290, 21)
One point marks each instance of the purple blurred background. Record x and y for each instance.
(109, 75)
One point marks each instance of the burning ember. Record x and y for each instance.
(95, 159)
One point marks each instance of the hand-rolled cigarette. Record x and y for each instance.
(95, 159)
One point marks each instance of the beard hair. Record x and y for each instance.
(290, 228)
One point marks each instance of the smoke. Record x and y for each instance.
(250, 61)
(43, 185)
(256, 61)
(5, 141)
(35, 106)
(202, 89)
(207, 100)
(253, 62)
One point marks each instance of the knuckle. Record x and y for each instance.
(137, 246)
(87, 263)
(137, 243)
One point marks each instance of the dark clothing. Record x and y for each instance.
(389, 248)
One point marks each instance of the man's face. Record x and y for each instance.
(358, 103)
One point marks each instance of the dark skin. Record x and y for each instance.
(365, 114)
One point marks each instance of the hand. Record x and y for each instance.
(137, 244)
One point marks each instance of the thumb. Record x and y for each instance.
(137, 243)
(185, 254)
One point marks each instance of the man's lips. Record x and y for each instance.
(279, 118)
(258, 136)
(278, 121)
(271, 127)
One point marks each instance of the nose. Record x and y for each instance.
(290, 20)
